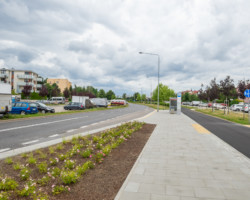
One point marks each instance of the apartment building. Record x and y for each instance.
(62, 83)
(19, 78)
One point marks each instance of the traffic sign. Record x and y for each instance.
(247, 93)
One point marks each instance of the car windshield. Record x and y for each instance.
(43, 105)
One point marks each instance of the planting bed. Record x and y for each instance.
(92, 167)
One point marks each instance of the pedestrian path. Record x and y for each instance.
(184, 161)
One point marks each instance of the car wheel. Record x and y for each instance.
(22, 113)
(43, 111)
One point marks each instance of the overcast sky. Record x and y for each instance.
(97, 42)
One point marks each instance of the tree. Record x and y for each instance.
(124, 95)
(143, 97)
(101, 93)
(135, 95)
(110, 95)
(213, 90)
(27, 90)
(66, 93)
(164, 93)
(227, 87)
(44, 91)
(55, 92)
(186, 97)
(242, 86)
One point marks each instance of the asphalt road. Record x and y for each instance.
(236, 135)
(23, 132)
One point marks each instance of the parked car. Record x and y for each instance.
(57, 100)
(24, 108)
(246, 108)
(74, 106)
(203, 104)
(43, 108)
(237, 107)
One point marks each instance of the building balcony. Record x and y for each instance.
(4, 76)
(24, 76)
(23, 84)
(39, 79)
(38, 85)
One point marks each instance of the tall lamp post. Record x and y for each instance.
(154, 54)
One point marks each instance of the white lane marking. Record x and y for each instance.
(94, 124)
(2, 150)
(69, 131)
(9, 129)
(55, 135)
(30, 142)
(83, 126)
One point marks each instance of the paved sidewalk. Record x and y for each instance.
(183, 161)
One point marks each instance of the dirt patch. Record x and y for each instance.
(104, 181)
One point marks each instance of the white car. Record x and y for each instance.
(237, 107)
(246, 108)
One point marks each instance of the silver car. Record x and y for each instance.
(246, 108)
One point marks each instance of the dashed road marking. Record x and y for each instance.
(3, 150)
(55, 135)
(69, 131)
(200, 129)
(83, 126)
(30, 142)
(32, 125)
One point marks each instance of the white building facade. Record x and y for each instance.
(19, 78)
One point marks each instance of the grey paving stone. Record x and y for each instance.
(209, 193)
(180, 191)
(132, 187)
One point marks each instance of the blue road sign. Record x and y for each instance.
(247, 93)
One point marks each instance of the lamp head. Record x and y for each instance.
(140, 52)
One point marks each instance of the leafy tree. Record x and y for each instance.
(101, 93)
(110, 95)
(66, 93)
(44, 91)
(242, 86)
(143, 97)
(186, 97)
(26, 90)
(164, 93)
(227, 87)
(135, 95)
(194, 97)
(55, 92)
(213, 90)
(138, 97)
(89, 94)
(35, 96)
(124, 95)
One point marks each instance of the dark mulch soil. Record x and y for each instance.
(105, 180)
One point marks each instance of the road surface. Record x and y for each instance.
(236, 135)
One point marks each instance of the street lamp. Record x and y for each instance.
(154, 54)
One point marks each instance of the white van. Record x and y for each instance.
(57, 100)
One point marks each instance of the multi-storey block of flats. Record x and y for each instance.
(19, 78)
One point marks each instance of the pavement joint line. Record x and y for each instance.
(2, 150)
(30, 142)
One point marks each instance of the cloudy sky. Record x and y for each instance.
(96, 43)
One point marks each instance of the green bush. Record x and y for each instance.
(8, 184)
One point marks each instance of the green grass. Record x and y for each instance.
(237, 117)
(154, 106)
(18, 116)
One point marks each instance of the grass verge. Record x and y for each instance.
(237, 117)
(18, 116)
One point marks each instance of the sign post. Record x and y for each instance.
(247, 94)
(179, 103)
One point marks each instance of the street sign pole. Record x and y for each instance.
(247, 94)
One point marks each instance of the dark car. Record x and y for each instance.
(74, 106)
(43, 108)
(24, 108)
